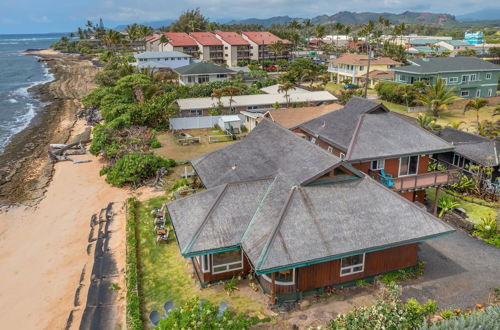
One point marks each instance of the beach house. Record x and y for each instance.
(162, 60)
(353, 67)
(201, 72)
(295, 216)
(381, 144)
(468, 75)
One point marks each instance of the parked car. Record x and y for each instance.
(350, 86)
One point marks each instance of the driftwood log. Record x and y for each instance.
(63, 151)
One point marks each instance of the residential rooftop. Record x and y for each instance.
(202, 68)
(180, 39)
(233, 38)
(358, 59)
(161, 55)
(292, 117)
(206, 38)
(273, 89)
(264, 38)
(434, 65)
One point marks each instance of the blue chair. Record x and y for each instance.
(154, 318)
(222, 308)
(386, 179)
(168, 307)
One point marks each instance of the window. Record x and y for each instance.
(408, 165)
(225, 47)
(478, 92)
(465, 79)
(233, 110)
(402, 77)
(377, 164)
(313, 140)
(488, 76)
(284, 277)
(203, 78)
(252, 107)
(227, 261)
(444, 81)
(453, 80)
(352, 265)
(195, 112)
(473, 77)
(464, 93)
(458, 160)
(203, 261)
(329, 149)
(221, 75)
(342, 156)
(361, 68)
(490, 92)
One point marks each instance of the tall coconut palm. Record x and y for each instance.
(319, 31)
(132, 32)
(476, 104)
(338, 27)
(231, 91)
(142, 32)
(277, 48)
(284, 88)
(437, 97)
(367, 31)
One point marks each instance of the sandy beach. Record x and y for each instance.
(44, 236)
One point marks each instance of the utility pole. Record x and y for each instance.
(368, 66)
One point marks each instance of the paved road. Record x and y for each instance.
(459, 271)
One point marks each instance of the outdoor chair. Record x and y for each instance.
(159, 220)
(154, 318)
(222, 309)
(168, 307)
(386, 179)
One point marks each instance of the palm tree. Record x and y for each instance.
(306, 27)
(132, 31)
(217, 94)
(338, 27)
(277, 48)
(457, 124)
(231, 91)
(427, 122)
(308, 75)
(284, 88)
(320, 31)
(294, 37)
(436, 97)
(367, 31)
(142, 32)
(163, 40)
(476, 104)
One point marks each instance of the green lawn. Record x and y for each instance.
(333, 87)
(475, 212)
(165, 275)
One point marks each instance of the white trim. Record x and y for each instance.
(378, 167)
(488, 76)
(342, 156)
(267, 278)
(464, 93)
(490, 92)
(329, 149)
(478, 92)
(399, 169)
(362, 264)
(453, 80)
(313, 140)
(482, 85)
(227, 265)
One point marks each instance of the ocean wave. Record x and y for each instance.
(20, 123)
(47, 77)
(29, 39)
(13, 100)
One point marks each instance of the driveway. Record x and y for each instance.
(459, 271)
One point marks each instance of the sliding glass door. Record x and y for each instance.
(408, 165)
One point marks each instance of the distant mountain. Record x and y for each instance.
(347, 17)
(265, 22)
(154, 24)
(482, 15)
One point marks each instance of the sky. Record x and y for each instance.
(43, 16)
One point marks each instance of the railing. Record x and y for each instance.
(419, 181)
(339, 70)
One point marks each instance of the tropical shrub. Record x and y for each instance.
(398, 93)
(482, 319)
(204, 315)
(155, 144)
(401, 275)
(231, 285)
(134, 168)
(487, 228)
(446, 204)
(389, 312)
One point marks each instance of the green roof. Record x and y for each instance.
(202, 68)
(426, 49)
(423, 41)
(456, 42)
(434, 65)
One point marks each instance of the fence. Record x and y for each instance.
(197, 122)
(417, 109)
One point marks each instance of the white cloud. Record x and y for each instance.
(40, 19)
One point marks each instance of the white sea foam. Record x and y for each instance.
(13, 101)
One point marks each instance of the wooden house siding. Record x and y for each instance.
(209, 277)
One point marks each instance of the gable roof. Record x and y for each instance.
(366, 130)
(455, 42)
(426, 49)
(269, 148)
(292, 117)
(263, 38)
(161, 55)
(358, 59)
(423, 41)
(180, 39)
(233, 38)
(206, 38)
(202, 68)
(447, 64)
(476, 148)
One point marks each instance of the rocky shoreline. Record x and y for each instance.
(25, 169)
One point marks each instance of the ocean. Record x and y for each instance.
(18, 73)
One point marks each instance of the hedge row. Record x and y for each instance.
(134, 321)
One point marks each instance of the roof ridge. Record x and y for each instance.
(420, 128)
(204, 222)
(265, 250)
(354, 135)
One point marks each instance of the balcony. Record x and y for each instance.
(336, 69)
(419, 181)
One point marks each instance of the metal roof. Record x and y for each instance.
(258, 99)
(436, 65)
(161, 54)
(202, 68)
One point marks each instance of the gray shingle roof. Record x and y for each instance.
(202, 68)
(281, 225)
(447, 64)
(338, 126)
(269, 148)
(382, 135)
(476, 148)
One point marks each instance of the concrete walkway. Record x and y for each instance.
(459, 272)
